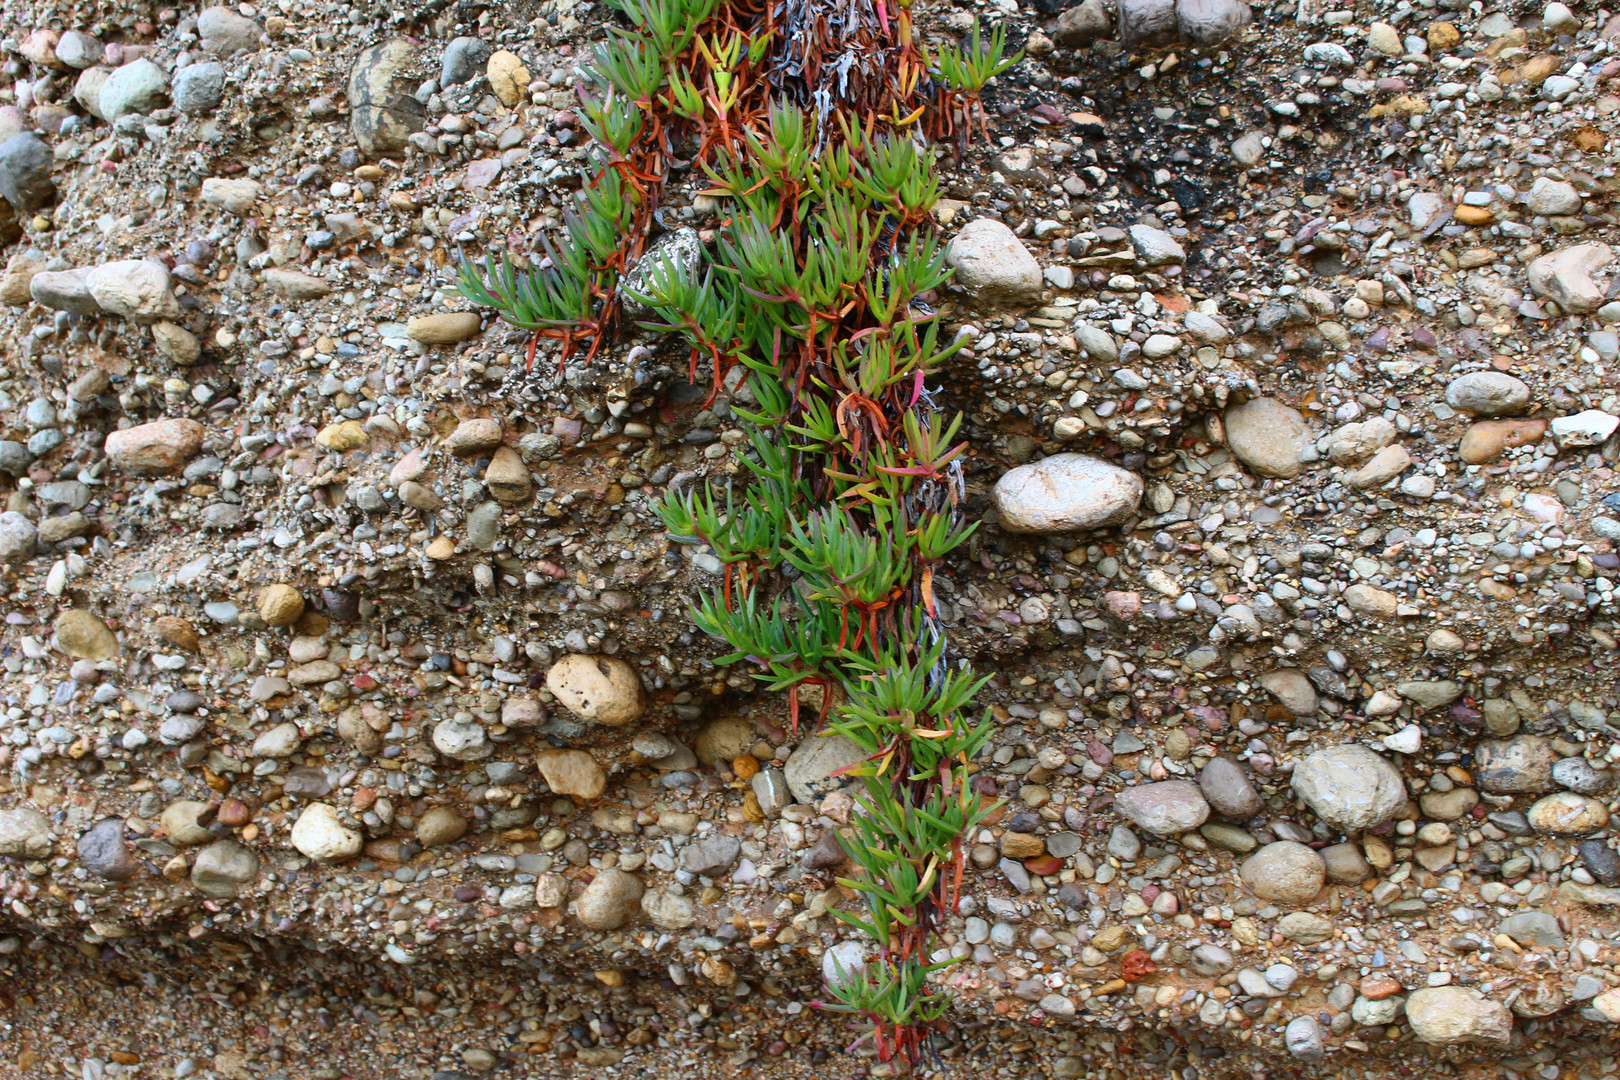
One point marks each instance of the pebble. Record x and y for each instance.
(597, 689)
(223, 867)
(232, 196)
(1488, 393)
(508, 78)
(1452, 1015)
(1284, 871)
(1228, 789)
(383, 110)
(1490, 439)
(1568, 276)
(1303, 1037)
(25, 172)
(1066, 492)
(1349, 787)
(102, 851)
(712, 856)
(1564, 813)
(810, 768)
(1164, 809)
(319, 833)
(79, 633)
(610, 900)
(993, 264)
(464, 59)
(1267, 436)
(440, 825)
(137, 289)
(572, 772)
(199, 88)
(445, 328)
(137, 88)
(24, 832)
(18, 537)
(1520, 765)
(224, 32)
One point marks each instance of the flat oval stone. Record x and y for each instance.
(1066, 492)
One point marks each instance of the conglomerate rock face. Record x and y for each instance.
(353, 719)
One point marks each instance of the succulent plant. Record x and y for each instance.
(815, 284)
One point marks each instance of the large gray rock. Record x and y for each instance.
(1083, 23)
(1146, 20)
(993, 264)
(199, 88)
(1429, 694)
(383, 109)
(139, 87)
(225, 32)
(1521, 765)
(102, 850)
(24, 832)
(464, 60)
(1285, 871)
(79, 50)
(1293, 689)
(138, 289)
(1488, 393)
(809, 770)
(1350, 787)
(1206, 22)
(611, 899)
(1167, 808)
(1227, 788)
(223, 867)
(1570, 276)
(1533, 928)
(712, 856)
(18, 537)
(1550, 197)
(1267, 436)
(25, 172)
(1448, 1015)
(1066, 492)
(1155, 247)
(1303, 1037)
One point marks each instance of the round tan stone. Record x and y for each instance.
(175, 631)
(444, 328)
(1489, 439)
(572, 772)
(158, 448)
(83, 635)
(723, 739)
(508, 77)
(280, 605)
(611, 899)
(342, 436)
(599, 689)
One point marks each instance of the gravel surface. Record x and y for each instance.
(351, 722)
